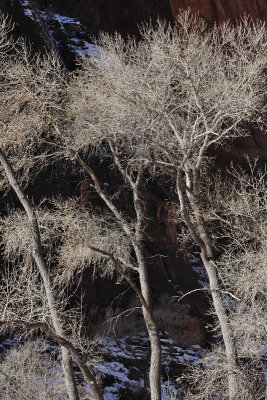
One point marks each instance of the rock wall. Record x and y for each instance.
(111, 15)
(220, 10)
(125, 15)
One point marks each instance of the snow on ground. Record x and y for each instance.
(61, 19)
(199, 269)
(125, 364)
(72, 27)
(83, 49)
(73, 31)
(27, 8)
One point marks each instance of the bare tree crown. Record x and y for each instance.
(174, 94)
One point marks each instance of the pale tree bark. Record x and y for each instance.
(41, 265)
(155, 361)
(136, 239)
(224, 324)
(201, 238)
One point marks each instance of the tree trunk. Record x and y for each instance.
(69, 374)
(224, 324)
(206, 256)
(136, 240)
(40, 262)
(155, 360)
(201, 237)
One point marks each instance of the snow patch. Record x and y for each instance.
(125, 363)
(26, 8)
(133, 350)
(70, 27)
(83, 49)
(62, 19)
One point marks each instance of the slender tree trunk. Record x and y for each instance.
(136, 240)
(201, 237)
(69, 374)
(206, 256)
(155, 360)
(40, 262)
(224, 324)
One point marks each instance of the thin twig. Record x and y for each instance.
(192, 291)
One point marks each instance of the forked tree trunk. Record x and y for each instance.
(136, 240)
(41, 265)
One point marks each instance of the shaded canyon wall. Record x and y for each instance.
(125, 15)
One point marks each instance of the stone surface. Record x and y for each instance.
(111, 15)
(183, 328)
(125, 15)
(220, 10)
(253, 146)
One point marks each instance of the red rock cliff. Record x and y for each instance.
(125, 15)
(220, 10)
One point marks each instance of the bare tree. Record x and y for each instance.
(96, 124)
(76, 239)
(67, 347)
(30, 93)
(162, 104)
(154, 106)
(135, 233)
(235, 210)
(33, 96)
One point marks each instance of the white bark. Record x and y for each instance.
(201, 237)
(41, 265)
(136, 239)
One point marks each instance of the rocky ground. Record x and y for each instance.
(123, 365)
(126, 365)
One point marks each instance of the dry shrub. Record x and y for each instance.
(31, 104)
(22, 296)
(84, 233)
(70, 237)
(29, 372)
(210, 381)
